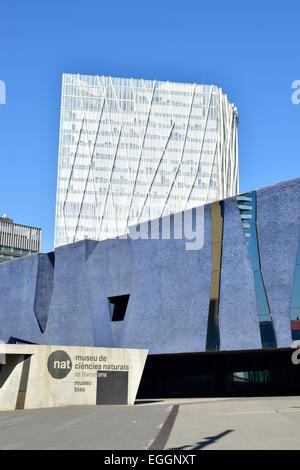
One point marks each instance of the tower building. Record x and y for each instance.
(133, 150)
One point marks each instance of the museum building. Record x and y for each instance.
(218, 318)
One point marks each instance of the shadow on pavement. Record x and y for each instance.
(209, 440)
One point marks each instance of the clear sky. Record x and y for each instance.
(251, 49)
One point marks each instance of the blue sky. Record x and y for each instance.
(249, 49)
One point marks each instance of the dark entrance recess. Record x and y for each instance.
(262, 372)
(118, 306)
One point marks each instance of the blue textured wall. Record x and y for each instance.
(238, 310)
(169, 286)
(278, 224)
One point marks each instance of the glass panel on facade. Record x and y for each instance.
(248, 211)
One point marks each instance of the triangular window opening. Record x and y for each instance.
(118, 306)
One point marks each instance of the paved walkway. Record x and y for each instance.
(239, 423)
(82, 427)
(182, 424)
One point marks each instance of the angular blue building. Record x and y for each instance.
(219, 319)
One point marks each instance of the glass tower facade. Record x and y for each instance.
(133, 150)
(248, 210)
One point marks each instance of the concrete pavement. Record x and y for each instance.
(82, 427)
(199, 423)
(238, 424)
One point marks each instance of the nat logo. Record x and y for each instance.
(59, 364)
